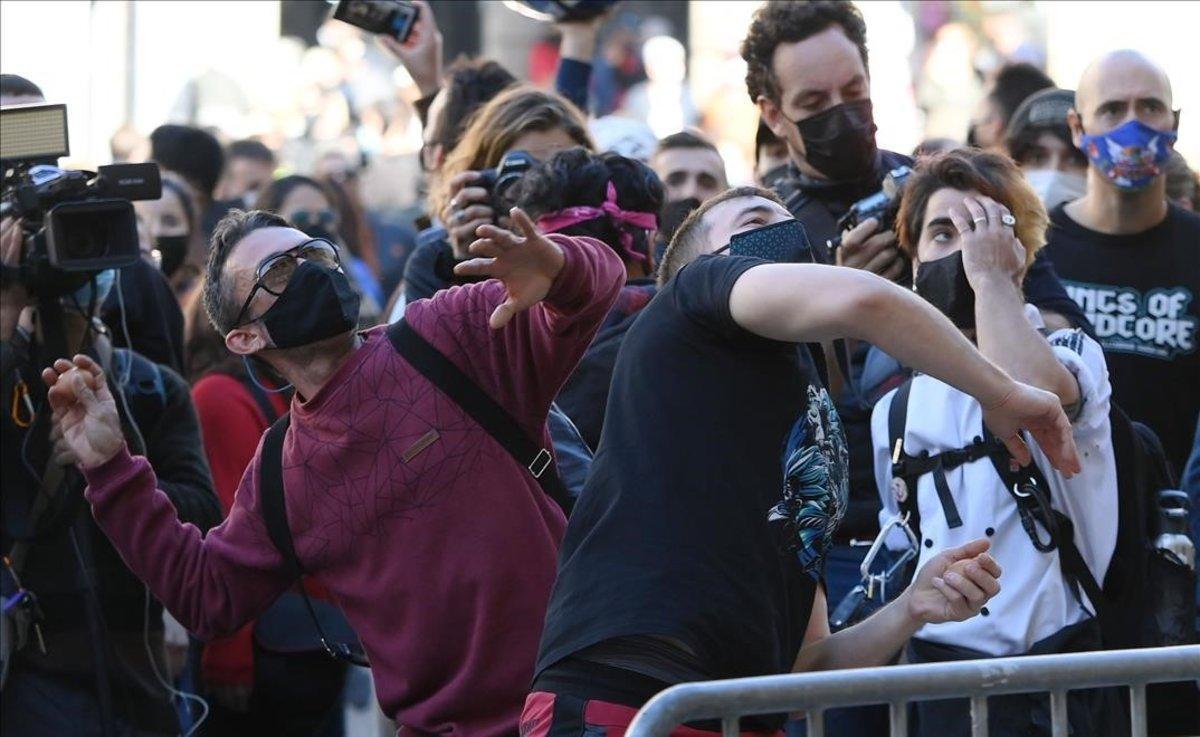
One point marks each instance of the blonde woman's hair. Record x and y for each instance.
(498, 124)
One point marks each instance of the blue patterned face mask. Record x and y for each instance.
(783, 242)
(1131, 155)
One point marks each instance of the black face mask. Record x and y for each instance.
(318, 303)
(172, 249)
(840, 142)
(943, 283)
(782, 242)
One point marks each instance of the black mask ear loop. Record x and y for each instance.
(253, 378)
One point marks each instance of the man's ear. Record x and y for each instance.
(247, 339)
(1075, 124)
(772, 116)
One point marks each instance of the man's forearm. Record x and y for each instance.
(1007, 339)
(870, 643)
(913, 332)
(804, 303)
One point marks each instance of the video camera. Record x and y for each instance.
(499, 181)
(76, 223)
(883, 206)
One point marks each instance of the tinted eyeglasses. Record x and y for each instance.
(276, 271)
(308, 218)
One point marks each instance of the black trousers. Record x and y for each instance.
(1099, 712)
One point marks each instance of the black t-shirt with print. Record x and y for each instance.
(1142, 294)
(684, 529)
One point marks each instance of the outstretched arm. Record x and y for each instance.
(520, 333)
(803, 303)
(951, 587)
(212, 584)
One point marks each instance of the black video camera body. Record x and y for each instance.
(76, 223)
(499, 181)
(883, 206)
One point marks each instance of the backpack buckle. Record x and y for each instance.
(540, 463)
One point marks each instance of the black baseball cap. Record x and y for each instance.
(1043, 110)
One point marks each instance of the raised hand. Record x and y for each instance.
(1040, 412)
(954, 585)
(83, 411)
(421, 52)
(527, 264)
(990, 248)
(469, 207)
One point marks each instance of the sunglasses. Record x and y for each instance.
(308, 218)
(274, 273)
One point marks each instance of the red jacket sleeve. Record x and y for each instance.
(524, 364)
(231, 424)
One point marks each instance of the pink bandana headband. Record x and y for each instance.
(565, 218)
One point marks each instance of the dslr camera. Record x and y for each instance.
(75, 223)
(883, 206)
(499, 181)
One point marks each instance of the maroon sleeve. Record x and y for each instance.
(524, 364)
(212, 584)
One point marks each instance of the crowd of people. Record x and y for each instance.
(613, 425)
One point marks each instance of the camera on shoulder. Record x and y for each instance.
(76, 223)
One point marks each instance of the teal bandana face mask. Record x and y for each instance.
(93, 293)
(1131, 156)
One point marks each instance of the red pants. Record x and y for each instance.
(556, 715)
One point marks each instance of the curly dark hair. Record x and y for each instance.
(787, 21)
(469, 84)
(577, 177)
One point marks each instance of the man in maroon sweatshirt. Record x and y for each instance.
(437, 545)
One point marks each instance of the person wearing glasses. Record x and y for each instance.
(439, 548)
(310, 206)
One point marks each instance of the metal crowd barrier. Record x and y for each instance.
(898, 685)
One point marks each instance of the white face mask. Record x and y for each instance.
(1055, 187)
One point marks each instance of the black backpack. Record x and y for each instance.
(1146, 600)
(473, 400)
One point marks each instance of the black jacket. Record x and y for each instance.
(159, 402)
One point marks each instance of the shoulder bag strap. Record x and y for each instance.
(274, 507)
(473, 400)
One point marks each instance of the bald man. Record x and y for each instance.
(1129, 257)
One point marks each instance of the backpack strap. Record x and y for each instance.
(473, 400)
(1030, 490)
(904, 482)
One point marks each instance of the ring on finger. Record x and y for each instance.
(979, 220)
(1008, 220)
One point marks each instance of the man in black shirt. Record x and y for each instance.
(697, 547)
(1129, 258)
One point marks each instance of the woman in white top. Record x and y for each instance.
(972, 226)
